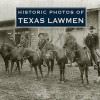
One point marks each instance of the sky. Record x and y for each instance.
(8, 7)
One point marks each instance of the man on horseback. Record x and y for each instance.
(23, 42)
(92, 42)
(47, 54)
(21, 46)
(12, 41)
(42, 41)
(70, 47)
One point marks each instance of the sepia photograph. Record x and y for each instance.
(49, 49)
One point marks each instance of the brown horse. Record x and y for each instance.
(35, 59)
(83, 58)
(5, 58)
(61, 59)
(59, 55)
(70, 46)
(48, 56)
(79, 54)
(12, 53)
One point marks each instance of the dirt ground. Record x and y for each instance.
(25, 87)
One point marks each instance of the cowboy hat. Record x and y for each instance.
(40, 34)
(91, 27)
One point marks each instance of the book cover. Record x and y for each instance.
(49, 49)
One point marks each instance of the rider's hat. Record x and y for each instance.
(40, 34)
(91, 28)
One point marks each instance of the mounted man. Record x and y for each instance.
(45, 47)
(22, 45)
(92, 42)
(70, 47)
(12, 41)
(42, 41)
(23, 42)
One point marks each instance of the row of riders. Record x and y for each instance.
(48, 53)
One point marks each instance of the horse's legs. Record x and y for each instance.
(40, 70)
(47, 62)
(86, 74)
(94, 58)
(12, 64)
(70, 62)
(52, 65)
(63, 71)
(35, 67)
(60, 67)
(6, 64)
(98, 79)
(82, 73)
(21, 63)
(18, 66)
(31, 67)
(98, 64)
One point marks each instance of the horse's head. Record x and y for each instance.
(47, 46)
(27, 52)
(3, 49)
(72, 50)
(6, 47)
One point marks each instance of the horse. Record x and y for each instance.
(70, 45)
(12, 53)
(35, 59)
(83, 59)
(60, 56)
(62, 60)
(48, 55)
(6, 59)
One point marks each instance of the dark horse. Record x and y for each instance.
(35, 59)
(60, 56)
(61, 59)
(48, 56)
(9, 52)
(5, 58)
(83, 58)
(79, 54)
